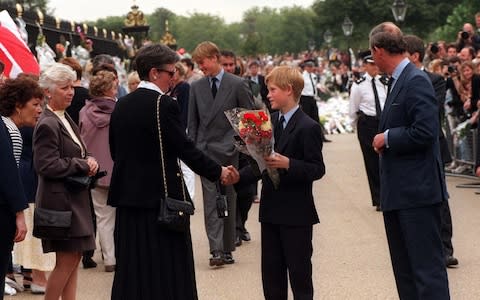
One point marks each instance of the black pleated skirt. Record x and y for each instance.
(152, 263)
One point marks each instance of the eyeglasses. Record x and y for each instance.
(170, 73)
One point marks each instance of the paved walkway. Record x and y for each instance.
(350, 257)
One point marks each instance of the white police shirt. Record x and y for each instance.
(362, 97)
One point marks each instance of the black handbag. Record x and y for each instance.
(51, 224)
(78, 182)
(173, 214)
(221, 201)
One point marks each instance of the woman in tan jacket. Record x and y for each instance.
(59, 152)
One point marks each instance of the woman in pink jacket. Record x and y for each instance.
(94, 126)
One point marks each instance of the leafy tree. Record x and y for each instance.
(110, 23)
(463, 13)
(276, 31)
(199, 27)
(34, 4)
(296, 28)
(422, 17)
(156, 21)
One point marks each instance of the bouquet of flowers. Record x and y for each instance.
(256, 136)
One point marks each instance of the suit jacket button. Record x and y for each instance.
(178, 174)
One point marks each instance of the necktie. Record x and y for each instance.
(390, 84)
(278, 130)
(378, 108)
(313, 84)
(214, 87)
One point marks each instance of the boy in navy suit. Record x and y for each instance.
(287, 214)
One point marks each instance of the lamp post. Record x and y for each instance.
(311, 45)
(327, 36)
(399, 9)
(347, 27)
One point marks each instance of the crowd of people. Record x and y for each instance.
(108, 153)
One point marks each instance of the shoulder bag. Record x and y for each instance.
(51, 224)
(173, 214)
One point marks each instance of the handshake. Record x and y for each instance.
(229, 175)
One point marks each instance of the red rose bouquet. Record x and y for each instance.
(254, 128)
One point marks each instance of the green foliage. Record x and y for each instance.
(267, 30)
(422, 17)
(33, 4)
(190, 31)
(110, 23)
(276, 31)
(157, 22)
(463, 13)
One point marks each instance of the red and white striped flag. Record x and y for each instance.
(14, 53)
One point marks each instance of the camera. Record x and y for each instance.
(434, 48)
(451, 69)
(465, 35)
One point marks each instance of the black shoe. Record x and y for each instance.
(246, 236)
(450, 261)
(216, 259)
(88, 263)
(228, 258)
(327, 140)
(238, 241)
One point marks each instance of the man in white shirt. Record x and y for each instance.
(367, 99)
(309, 92)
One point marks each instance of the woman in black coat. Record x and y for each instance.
(152, 262)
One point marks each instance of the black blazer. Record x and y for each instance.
(134, 145)
(440, 87)
(11, 189)
(27, 172)
(292, 203)
(413, 155)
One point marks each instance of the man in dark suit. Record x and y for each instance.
(411, 172)
(12, 203)
(416, 52)
(212, 133)
(257, 83)
(288, 213)
(247, 193)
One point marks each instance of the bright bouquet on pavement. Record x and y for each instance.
(254, 128)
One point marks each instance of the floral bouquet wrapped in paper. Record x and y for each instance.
(255, 131)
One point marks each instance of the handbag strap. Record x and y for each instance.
(163, 157)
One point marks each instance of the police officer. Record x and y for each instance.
(309, 93)
(367, 99)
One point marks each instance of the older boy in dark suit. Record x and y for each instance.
(287, 214)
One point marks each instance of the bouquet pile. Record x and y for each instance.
(254, 129)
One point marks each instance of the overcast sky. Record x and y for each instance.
(229, 10)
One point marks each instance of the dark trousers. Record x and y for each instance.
(245, 196)
(446, 230)
(367, 128)
(416, 253)
(244, 203)
(90, 253)
(287, 249)
(7, 223)
(309, 106)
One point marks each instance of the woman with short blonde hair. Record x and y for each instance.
(94, 130)
(61, 153)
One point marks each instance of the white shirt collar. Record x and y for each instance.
(150, 86)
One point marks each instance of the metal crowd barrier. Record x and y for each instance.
(463, 150)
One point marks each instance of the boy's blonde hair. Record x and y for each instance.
(205, 50)
(284, 76)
